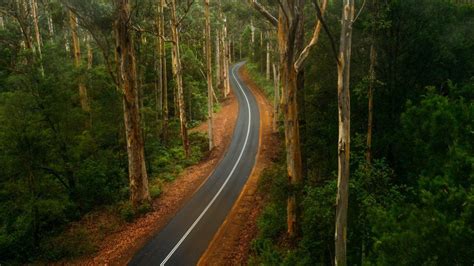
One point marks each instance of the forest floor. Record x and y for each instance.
(123, 240)
(231, 244)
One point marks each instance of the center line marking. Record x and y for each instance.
(225, 182)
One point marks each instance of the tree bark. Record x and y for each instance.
(262, 58)
(252, 32)
(227, 60)
(177, 69)
(164, 73)
(34, 13)
(343, 92)
(276, 102)
(224, 75)
(222, 62)
(218, 59)
(290, 45)
(23, 21)
(127, 78)
(50, 26)
(240, 48)
(77, 62)
(268, 59)
(314, 39)
(231, 55)
(265, 13)
(210, 103)
(159, 70)
(90, 53)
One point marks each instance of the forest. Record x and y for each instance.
(372, 103)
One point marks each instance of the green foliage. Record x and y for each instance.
(272, 222)
(413, 205)
(70, 245)
(260, 80)
(127, 212)
(434, 225)
(60, 163)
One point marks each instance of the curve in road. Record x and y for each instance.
(183, 240)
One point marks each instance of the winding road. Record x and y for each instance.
(184, 239)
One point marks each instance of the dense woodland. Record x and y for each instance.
(373, 101)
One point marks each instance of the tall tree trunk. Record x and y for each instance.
(177, 69)
(228, 62)
(218, 59)
(159, 70)
(2, 23)
(50, 26)
(262, 59)
(252, 43)
(25, 29)
(210, 104)
(77, 62)
(293, 149)
(343, 92)
(290, 26)
(138, 57)
(226, 59)
(276, 102)
(164, 74)
(90, 53)
(290, 45)
(158, 93)
(268, 59)
(127, 80)
(230, 50)
(34, 13)
(67, 46)
(240, 48)
(222, 62)
(223, 53)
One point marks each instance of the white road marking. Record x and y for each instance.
(225, 182)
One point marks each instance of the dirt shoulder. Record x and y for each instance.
(231, 244)
(118, 247)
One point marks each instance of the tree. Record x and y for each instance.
(268, 58)
(218, 58)
(34, 14)
(2, 23)
(226, 58)
(210, 99)
(127, 79)
(290, 26)
(162, 69)
(78, 61)
(276, 102)
(224, 53)
(344, 107)
(177, 72)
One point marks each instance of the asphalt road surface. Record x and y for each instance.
(188, 234)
